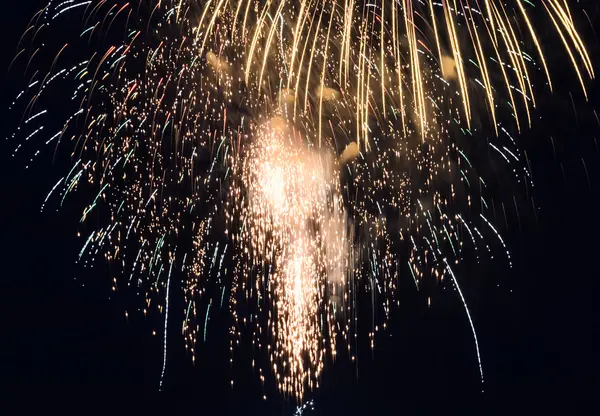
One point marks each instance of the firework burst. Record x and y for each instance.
(302, 142)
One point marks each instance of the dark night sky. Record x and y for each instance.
(537, 322)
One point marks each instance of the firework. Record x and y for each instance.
(276, 156)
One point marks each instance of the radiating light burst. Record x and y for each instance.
(295, 224)
(278, 156)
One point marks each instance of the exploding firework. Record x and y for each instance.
(281, 154)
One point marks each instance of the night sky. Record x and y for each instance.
(537, 323)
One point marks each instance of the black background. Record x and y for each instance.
(62, 337)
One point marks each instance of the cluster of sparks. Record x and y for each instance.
(295, 226)
(277, 155)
